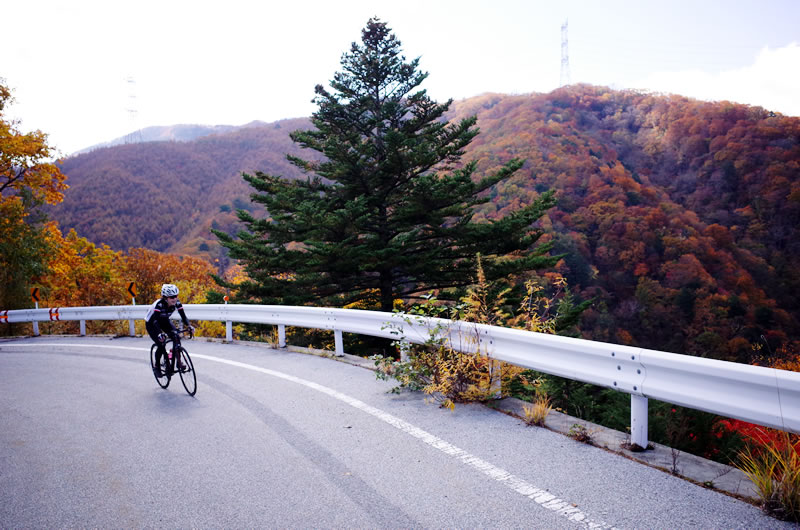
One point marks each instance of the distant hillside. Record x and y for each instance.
(681, 217)
(169, 133)
(166, 195)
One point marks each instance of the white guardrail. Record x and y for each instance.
(765, 396)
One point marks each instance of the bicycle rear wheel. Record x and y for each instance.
(162, 381)
(186, 369)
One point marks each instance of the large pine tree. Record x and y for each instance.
(386, 211)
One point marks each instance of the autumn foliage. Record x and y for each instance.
(80, 273)
(25, 164)
(28, 179)
(681, 218)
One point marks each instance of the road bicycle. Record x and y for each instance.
(185, 366)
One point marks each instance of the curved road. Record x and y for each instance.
(275, 439)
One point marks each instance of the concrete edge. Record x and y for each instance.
(705, 473)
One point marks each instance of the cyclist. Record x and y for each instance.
(157, 321)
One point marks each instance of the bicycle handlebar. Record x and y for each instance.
(187, 331)
(180, 331)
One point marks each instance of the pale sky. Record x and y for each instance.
(78, 68)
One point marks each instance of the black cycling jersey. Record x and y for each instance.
(160, 312)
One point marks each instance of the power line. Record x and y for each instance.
(134, 137)
(565, 75)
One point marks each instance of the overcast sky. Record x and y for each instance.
(79, 68)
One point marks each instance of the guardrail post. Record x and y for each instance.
(337, 340)
(83, 328)
(131, 326)
(228, 331)
(35, 323)
(281, 336)
(639, 421)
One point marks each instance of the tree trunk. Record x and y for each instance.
(387, 298)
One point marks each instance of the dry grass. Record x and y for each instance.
(774, 469)
(537, 412)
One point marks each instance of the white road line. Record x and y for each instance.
(3, 344)
(517, 484)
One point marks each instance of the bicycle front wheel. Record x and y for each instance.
(186, 369)
(162, 381)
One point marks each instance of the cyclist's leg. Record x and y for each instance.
(176, 347)
(154, 331)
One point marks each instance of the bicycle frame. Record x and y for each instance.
(164, 367)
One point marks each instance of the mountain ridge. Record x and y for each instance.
(670, 209)
(169, 133)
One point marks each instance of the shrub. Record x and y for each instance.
(772, 462)
(536, 413)
(451, 377)
(580, 433)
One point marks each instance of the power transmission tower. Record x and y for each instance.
(565, 76)
(135, 136)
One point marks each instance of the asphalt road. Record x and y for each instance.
(276, 439)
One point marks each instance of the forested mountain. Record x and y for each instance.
(166, 195)
(680, 217)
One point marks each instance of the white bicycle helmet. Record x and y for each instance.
(169, 290)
